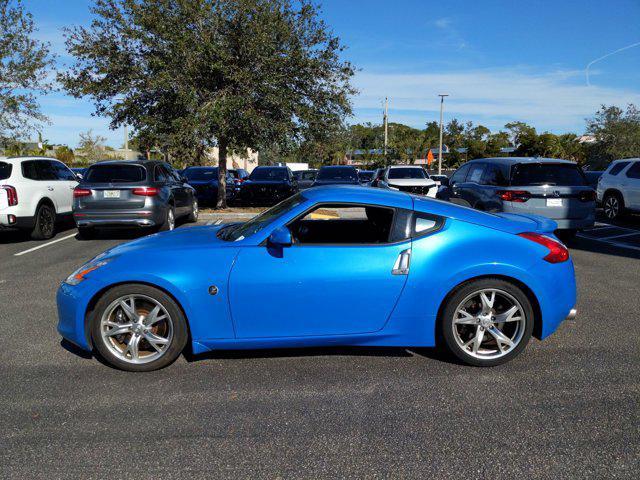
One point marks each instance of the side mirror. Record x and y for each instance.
(280, 237)
(183, 179)
(78, 176)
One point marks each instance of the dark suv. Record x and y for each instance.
(553, 188)
(132, 194)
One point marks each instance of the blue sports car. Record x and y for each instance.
(336, 265)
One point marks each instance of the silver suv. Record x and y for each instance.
(619, 188)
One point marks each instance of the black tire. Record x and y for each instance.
(45, 223)
(177, 318)
(448, 313)
(613, 205)
(169, 220)
(193, 216)
(86, 233)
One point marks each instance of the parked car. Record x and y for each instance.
(554, 188)
(267, 186)
(239, 175)
(441, 180)
(365, 176)
(79, 172)
(406, 178)
(35, 192)
(480, 285)
(305, 178)
(143, 193)
(619, 188)
(205, 182)
(336, 175)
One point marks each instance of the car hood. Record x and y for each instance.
(263, 183)
(180, 239)
(412, 182)
(202, 182)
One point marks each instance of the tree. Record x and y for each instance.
(617, 133)
(65, 155)
(24, 65)
(197, 73)
(91, 146)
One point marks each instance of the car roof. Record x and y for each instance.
(337, 166)
(358, 194)
(514, 160)
(201, 167)
(404, 166)
(269, 166)
(634, 159)
(28, 157)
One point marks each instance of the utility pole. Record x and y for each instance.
(386, 125)
(441, 95)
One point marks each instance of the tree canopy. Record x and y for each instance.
(192, 74)
(24, 71)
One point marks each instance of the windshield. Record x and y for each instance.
(199, 174)
(406, 173)
(5, 170)
(560, 174)
(115, 174)
(241, 231)
(337, 173)
(268, 174)
(365, 175)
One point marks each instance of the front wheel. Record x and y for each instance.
(138, 328)
(487, 322)
(193, 216)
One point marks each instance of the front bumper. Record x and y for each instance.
(72, 305)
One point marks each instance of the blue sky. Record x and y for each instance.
(499, 60)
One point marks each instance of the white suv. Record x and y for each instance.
(619, 187)
(34, 193)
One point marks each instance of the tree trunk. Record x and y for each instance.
(222, 174)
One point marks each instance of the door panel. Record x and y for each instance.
(314, 290)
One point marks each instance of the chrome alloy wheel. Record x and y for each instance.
(611, 207)
(171, 219)
(195, 210)
(489, 324)
(136, 329)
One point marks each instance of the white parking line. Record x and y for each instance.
(635, 232)
(44, 245)
(209, 222)
(218, 222)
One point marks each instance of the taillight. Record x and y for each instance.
(557, 251)
(146, 191)
(12, 194)
(588, 196)
(518, 196)
(81, 192)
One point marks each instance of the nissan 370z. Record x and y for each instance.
(338, 265)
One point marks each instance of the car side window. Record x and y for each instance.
(460, 174)
(61, 171)
(38, 170)
(343, 225)
(159, 174)
(424, 224)
(634, 171)
(475, 173)
(493, 176)
(617, 168)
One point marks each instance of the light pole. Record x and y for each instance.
(441, 95)
(126, 142)
(386, 127)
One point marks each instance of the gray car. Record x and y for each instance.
(553, 188)
(147, 194)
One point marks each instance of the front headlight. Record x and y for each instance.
(79, 275)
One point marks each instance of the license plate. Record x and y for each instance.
(112, 194)
(554, 202)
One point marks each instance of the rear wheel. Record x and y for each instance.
(138, 328)
(613, 205)
(45, 226)
(193, 216)
(487, 322)
(169, 220)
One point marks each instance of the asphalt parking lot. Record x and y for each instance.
(567, 408)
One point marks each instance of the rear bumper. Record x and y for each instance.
(9, 221)
(111, 218)
(577, 224)
(586, 217)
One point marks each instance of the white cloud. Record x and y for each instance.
(556, 100)
(442, 22)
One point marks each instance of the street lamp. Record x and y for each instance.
(441, 95)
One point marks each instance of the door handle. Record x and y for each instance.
(401, 267)
(50, 188)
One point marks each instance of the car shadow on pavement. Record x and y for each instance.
(22, 236)
(70, 347)
(595, 246)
